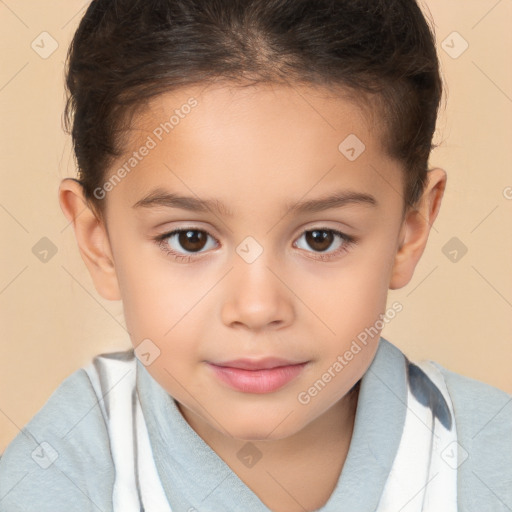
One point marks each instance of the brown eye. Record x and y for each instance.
(320, 240)
(192, 240)
(185, 243)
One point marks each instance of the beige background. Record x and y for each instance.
(53, 321)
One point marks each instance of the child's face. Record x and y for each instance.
(256, 286)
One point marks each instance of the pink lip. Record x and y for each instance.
(256, 364)
(262, 376)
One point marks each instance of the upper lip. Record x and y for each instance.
(258, 364)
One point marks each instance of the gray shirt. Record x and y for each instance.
(75, 471)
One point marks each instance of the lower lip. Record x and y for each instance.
(257, 381)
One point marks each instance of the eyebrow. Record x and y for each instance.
(162, 198)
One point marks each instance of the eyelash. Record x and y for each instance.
(348, 242)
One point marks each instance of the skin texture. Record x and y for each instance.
(256, 150)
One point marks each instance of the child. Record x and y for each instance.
(289, 141)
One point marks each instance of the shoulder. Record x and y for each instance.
(476, 393)
(61, 459)
(480, 408)
(483, 415)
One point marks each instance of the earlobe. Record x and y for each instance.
(92, 238)
(416, 228)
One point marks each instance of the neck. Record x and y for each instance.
(306, 465)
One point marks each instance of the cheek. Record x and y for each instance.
(161, 298)
(155, 292)
(351, 297)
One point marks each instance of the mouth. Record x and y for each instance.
(257, 376)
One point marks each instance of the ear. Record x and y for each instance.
(92, 238)
(416, 228)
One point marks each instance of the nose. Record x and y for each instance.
(257, 297)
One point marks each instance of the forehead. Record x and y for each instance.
(228, 141)
(264, 107)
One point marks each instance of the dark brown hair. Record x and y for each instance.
(126, 52)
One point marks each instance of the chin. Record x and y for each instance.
(258, 434)
(262, 427)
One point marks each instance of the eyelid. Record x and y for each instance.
(348, 242)
(169, 233)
